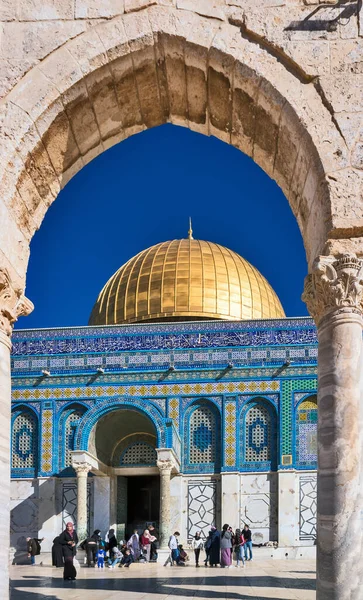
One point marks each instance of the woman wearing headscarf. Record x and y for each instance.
(197, 545)
(226, 546)
(145, 542)
(111, 541)
(134, 545)
(57, 553)
(214, 539)
(69, 540)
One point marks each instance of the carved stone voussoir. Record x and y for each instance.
(164, 465)
(335, 284)
(13, 303)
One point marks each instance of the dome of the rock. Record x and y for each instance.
(185, 279)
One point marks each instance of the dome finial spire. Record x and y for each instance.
(190, 232)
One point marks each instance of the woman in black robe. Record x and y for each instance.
(57, 553)
(69, 540)
(214, 549)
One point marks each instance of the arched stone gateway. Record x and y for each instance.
(282, 83)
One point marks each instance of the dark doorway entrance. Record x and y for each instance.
(140, 496)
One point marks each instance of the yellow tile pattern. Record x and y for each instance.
(148, 391)
(47, 434)
(230, 434)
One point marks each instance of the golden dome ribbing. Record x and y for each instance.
(185, 279)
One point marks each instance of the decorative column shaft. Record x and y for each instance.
(12, 305)
(82, 470)
(165, 467)
(333, 294)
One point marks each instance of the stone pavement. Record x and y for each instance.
(259, 580)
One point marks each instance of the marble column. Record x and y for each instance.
(12, 305)
(82, 470)
(165, 468)
(333, 294)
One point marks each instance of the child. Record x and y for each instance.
(127, 558)
(115, 557)
(101, 553)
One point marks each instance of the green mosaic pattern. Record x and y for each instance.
(287, 389)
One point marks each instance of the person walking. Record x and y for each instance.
(239, 542)
(247, 534)
(33, 548)
(197, 545)
(226, 546)
(214, 547)
(174, 548)
(69, 540)
(57, 553)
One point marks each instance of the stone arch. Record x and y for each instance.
(268, 418)
(141, 70)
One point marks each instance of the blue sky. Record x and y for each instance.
(142, 192)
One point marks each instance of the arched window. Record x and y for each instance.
(140, 454)
(202, 436)
(306, 432)
(24, 441)
(71, 424)
(258, 434)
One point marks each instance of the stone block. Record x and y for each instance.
(357, 156)
(135, 5)
(113, 37)
(62, 70)
(11, 71)
(94, 9)
(102, 95)
(45, 10)
(8, 10)
(344, 92)
(36, 40)
(346, 57)
(206, 8)
(35, 93)
(88, 51)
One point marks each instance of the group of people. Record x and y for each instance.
(221, 545)
(219, 548)
(100, 553)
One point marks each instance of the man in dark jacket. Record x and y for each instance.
(33, 548)
(248, 542)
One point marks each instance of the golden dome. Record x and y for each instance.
(185, 279)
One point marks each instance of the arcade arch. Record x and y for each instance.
(160, 64)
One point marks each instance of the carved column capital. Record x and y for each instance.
(164, 466)
(13, 303)
(334, 285)
(82, 469)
